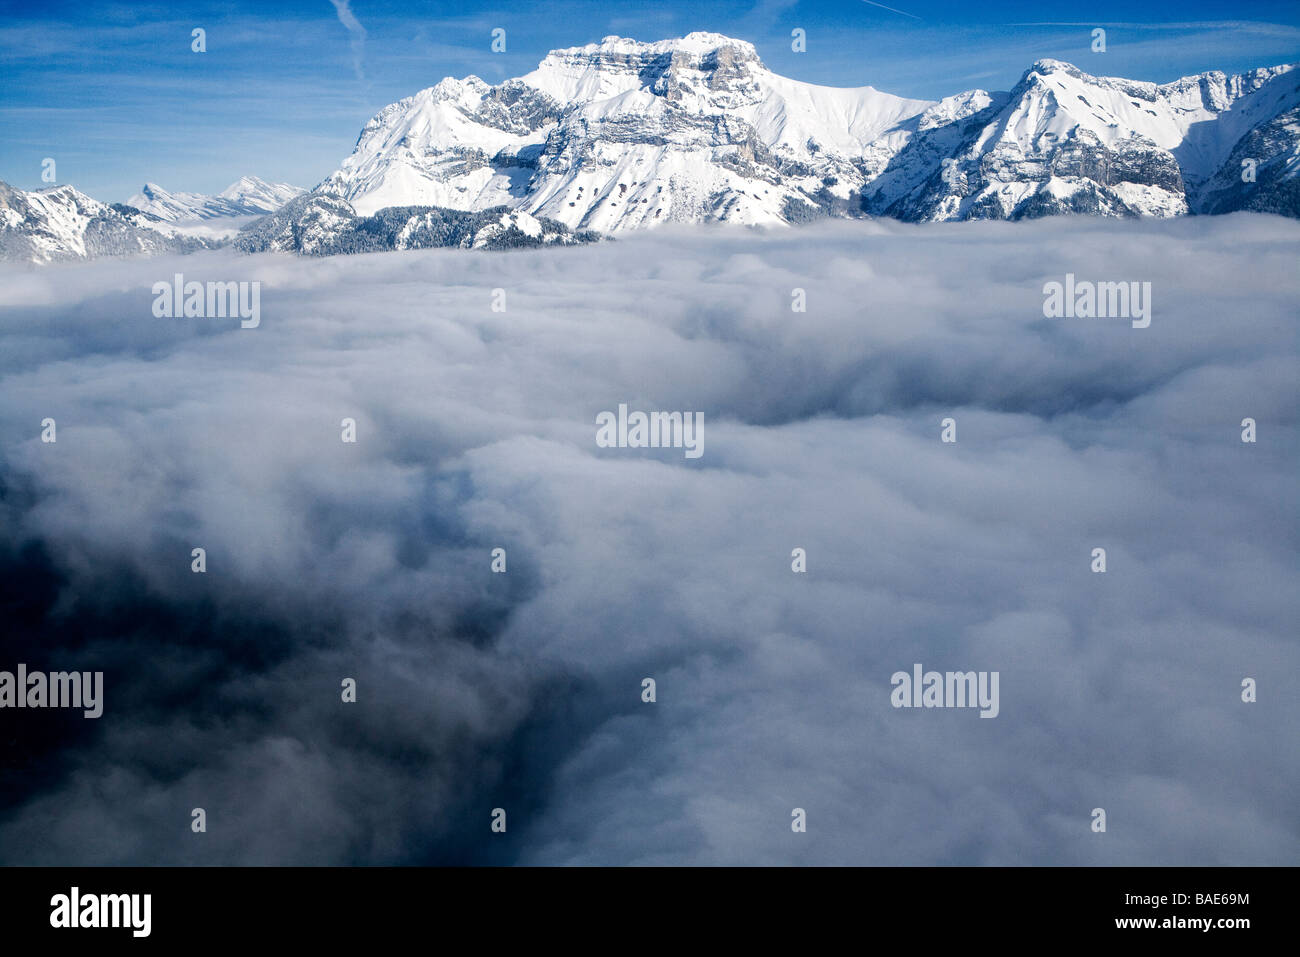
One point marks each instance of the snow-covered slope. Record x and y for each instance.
(1273, 149)
(249, 196)
(1066, 142)
(622, 134)
(61, 223)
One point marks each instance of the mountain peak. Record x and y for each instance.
(258, 195)
(467, 91)
(698, 43)
(1049, 65)
(681, 69)
(700, 50)
(248, 196)
(244, 184)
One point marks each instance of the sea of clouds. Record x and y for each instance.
(476, 430)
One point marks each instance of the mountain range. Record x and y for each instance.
(249, 196)
(622, 135)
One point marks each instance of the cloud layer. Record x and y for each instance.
(476, 430)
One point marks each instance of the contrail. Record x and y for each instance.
(891, 9)
(354, 27)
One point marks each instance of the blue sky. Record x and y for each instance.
(114, 94)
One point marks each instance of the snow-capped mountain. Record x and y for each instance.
(1065, 142)
(622, 134)
(249, 196)
(61, 223)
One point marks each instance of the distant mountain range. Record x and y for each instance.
(57, 224)
(622, 135)
(249, 196)
(62, 224)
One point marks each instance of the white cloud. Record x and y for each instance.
(476, 429)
